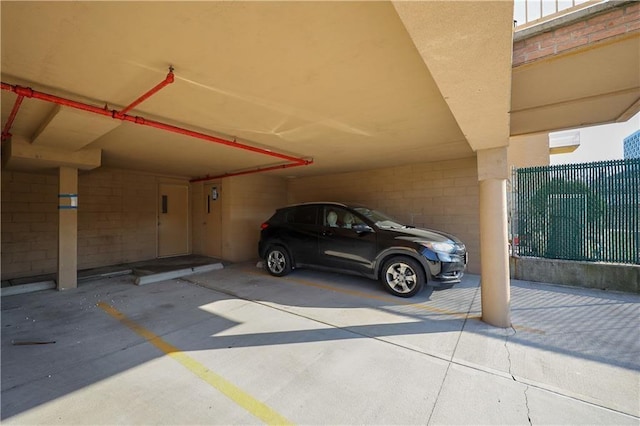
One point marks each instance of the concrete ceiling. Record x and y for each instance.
(345, 83)
(476, 84)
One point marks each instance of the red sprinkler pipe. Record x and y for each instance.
(168, 80)
(30, 93)
(27, 92)
(246, 172)
(14, 111)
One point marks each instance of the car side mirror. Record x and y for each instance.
(362, 227)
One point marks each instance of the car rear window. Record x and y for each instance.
(303, 215)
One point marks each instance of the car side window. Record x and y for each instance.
(338, 217)
(303, 215)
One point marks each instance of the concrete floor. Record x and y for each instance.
(237, 346)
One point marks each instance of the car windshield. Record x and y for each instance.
(380, 219)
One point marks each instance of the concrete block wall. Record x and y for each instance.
(117, 217)
(29, 224)
(613, 23)
(442, 195)
(117, 220)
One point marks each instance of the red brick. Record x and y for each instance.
(570, 28)
(601, 35)
(606, 17)
(588, 30)
(624, 20)
(518, 45)
(573, 43)
(538, 38)
(632, 14)
(529, 49)
(519, 60)
(633, 7)
(556, 40)
(633, 26)
(541, 53)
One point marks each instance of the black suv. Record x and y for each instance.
(357, 239)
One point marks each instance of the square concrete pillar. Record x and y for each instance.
(67, 276)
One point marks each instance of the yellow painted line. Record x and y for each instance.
(237, 395)
(395, 301)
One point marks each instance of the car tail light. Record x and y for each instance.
(265, 225)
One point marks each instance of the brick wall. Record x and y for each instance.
(117, 220)
(615, 22)
(442, 195)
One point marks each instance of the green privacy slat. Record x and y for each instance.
(587, 212)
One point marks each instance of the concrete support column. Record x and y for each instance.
(494, 247)
(67, 276)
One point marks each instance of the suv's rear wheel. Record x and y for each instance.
(278, 261)
(402, 276)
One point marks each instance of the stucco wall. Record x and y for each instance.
(528, 150)
(254, 198)
(442, 195)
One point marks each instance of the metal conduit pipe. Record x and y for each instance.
(27, 92)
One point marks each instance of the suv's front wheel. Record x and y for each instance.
(278, 262)
(402, 276)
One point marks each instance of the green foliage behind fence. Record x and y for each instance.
(587, 212)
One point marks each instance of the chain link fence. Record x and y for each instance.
(585, 212)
